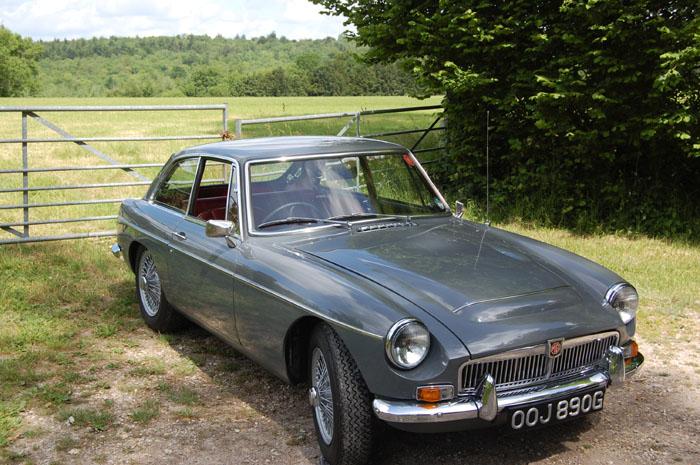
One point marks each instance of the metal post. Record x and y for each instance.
(358, 133)
(25, 174)
(238, 126)
(225, 116)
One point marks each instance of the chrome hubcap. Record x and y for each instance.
(321, 395)
(149, 284)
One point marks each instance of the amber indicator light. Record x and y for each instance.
(634, 351)
(429, 394)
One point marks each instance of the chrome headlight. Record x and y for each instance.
(623, 298)
(407, 343)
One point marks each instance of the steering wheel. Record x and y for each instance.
(316, 213)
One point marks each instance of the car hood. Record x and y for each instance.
(493, 294)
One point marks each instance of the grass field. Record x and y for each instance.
(69, 323)
(141, 124)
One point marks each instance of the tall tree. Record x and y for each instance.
(18, 58)
(595, 104)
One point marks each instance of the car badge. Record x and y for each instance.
(554, 347)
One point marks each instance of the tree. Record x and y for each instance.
(205, 66)
(18, 59)
(594, 104)
(204, 81)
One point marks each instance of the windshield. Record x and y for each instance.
(299, 193)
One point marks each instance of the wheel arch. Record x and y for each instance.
(296, 345)
(134, 248)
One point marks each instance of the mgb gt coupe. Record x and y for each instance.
(336, 262)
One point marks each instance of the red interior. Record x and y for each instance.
(211, 203)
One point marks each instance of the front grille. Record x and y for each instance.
(532, 365)
(576, 356)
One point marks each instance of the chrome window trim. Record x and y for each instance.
(539, 349)
(197, 182)
(234, 172)
(430, 181)
(249, 215)
(175, 159)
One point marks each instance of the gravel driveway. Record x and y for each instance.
(242, 415)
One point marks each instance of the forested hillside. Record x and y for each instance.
(205, 66)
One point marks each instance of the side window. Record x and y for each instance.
(216, 174)
(176, 189)
(213, 199)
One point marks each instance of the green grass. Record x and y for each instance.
(66, 443)
(56, 294)
(147, 411)
(149, 367)
(124, 124)
(97, 419)
(54, 394)
(180, 395)
(186, 413)
(53, 296)
(68, 318)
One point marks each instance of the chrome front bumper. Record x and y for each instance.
(486, 404)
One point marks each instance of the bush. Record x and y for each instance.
(594, 105)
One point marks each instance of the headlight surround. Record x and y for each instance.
(407, 343)
(623, 298)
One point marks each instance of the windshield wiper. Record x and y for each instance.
(368, 215)
(300, 220)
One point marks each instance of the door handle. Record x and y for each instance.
(180, 235)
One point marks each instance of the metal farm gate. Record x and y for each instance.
(15, 177)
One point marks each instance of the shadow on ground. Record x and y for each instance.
(287, 407)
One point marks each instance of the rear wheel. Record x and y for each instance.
(155, 309)
(340, 401)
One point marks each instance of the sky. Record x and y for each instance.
(59, 19)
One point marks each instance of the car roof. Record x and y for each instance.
(271, 147)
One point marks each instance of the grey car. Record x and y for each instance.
(336, 262)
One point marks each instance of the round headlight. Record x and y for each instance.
(623, 298)
(407, 343)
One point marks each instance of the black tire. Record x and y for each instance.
(353, 421)
(162, 316)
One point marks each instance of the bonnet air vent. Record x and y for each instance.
(374, 227)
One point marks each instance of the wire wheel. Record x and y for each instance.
(323, 402)
(149, 284)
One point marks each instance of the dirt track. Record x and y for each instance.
(245, 416)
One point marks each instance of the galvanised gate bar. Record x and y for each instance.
(33, 112)
(20, 231)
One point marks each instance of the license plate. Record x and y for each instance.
(556, 410)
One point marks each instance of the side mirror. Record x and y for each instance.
(459, 209)
(218, 228)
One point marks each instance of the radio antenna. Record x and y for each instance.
(488, 205)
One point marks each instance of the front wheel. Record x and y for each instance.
(155, 309)
(340, 401)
